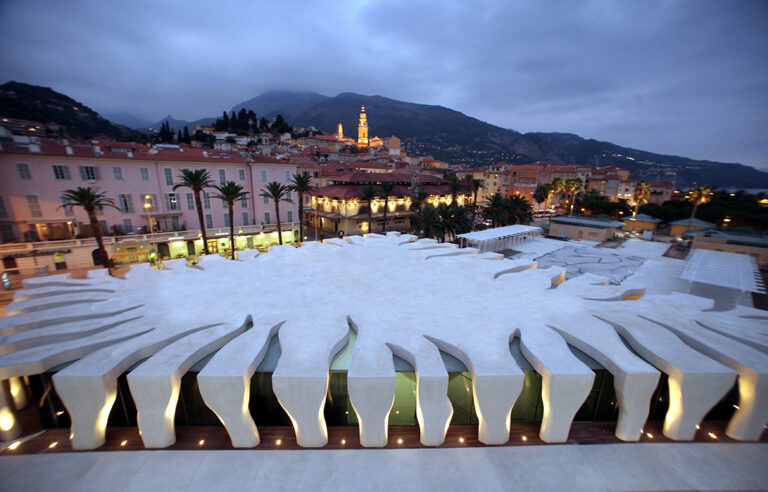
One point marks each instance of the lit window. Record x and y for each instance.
(171, 201)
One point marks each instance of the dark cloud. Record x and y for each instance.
(687, 78)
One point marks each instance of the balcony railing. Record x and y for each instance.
(15, 248)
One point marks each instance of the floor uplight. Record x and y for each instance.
(698, 427)
(201, 442)
(712, 435)
(60, 413)
(525, 438)
(53, 444)
(279, 442)
(14, 445)
(343, 442)
(122, 444)
(400, 441)
(650, 436)
(461, 439)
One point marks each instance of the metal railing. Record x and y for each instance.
(216, 232)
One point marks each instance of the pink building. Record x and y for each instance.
(35, 171)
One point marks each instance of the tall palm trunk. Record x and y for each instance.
(199, 206)
(301, 217)
(693, 214)
(277, 216)
(231, 231)
(474, 207)
(96, 228)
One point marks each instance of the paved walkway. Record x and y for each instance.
(635, 466)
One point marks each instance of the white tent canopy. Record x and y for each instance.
(499, 238)
(731, 270)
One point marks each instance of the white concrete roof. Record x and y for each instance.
(391, 293)
(731, 270)
(500, 232)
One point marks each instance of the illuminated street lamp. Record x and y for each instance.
(148, 207)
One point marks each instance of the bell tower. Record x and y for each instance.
(362, 129)
(340, 131)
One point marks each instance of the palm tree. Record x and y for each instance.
(518, 210)
(301, 184)
(640, 196)
(556, 186)
(455, 185)
(427, 222)
(699, 196)
(277, 192)
(387, 188)
(572, 187)
(90, 199)
(197, 181)
(542, 193)
(368, 195)
(496, 210)
(475, 184)
(229, 194)
(417, 200)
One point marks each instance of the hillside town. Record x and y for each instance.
(353, 186)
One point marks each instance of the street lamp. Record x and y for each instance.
(147, 207)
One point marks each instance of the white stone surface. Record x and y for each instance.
(401, 296)
(609, 467)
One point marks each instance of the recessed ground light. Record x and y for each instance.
(201, 442)
(736, 407)
(400, 441)
(14, 445)
(525, 438)
(397, 412)
(123, 443)
(59, 413)
(712, 435)
(346, 413)
(53, 444)
(698, 426)
(279, 442)
(650, 436)
(461, 439)
(343, 442)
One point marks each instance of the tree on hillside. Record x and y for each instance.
(187, 140)
(230, 193)
(196, 181)
(263, 125)
(277, 192)
(222, 124)
(91, 199)
(280, 125)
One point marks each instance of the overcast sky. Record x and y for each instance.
(686, 78)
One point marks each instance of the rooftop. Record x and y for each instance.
(595, 221)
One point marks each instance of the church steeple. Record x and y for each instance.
(362, 129)
(340, 131)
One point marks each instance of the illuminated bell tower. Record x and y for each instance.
(340, 131)
(362, 129)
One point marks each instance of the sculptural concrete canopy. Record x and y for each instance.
(390, 290)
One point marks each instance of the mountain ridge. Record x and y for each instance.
(445, 133)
